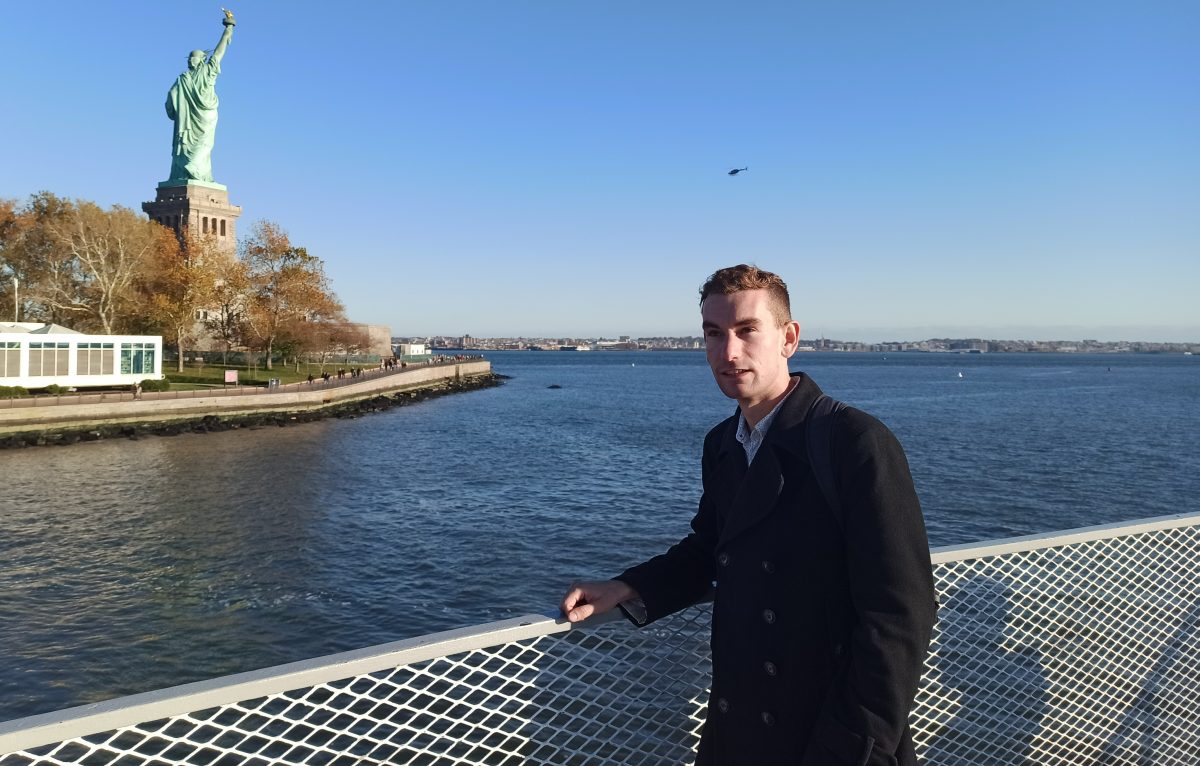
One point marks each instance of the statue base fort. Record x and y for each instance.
(199, 207)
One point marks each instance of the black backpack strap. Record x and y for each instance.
(818, 435)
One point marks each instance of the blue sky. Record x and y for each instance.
(1024, 169)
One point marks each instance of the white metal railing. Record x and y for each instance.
(1070, 648)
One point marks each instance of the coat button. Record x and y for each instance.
(769, 616)
(769, 567)
(768, 719)
(723, 559)
(723, 705)
(770, 668)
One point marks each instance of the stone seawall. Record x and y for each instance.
(296, 403)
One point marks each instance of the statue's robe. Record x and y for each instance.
(192, 104)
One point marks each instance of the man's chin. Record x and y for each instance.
(731, 388)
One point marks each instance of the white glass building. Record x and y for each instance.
(36, 355)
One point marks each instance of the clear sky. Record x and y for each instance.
(1017, 169)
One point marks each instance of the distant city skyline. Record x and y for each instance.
(1025, 170)
(878, 335)
(806, 343)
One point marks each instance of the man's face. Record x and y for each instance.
(747, 349)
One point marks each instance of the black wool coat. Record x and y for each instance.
(820, 627)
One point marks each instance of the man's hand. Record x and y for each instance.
(585, 599)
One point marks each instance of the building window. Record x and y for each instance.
(94, 359)
(202, 315)
(47, 359)
(204, 224)
(222, 227)
(10, 359)
(137, 358)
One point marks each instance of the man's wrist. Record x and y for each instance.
(627, 591)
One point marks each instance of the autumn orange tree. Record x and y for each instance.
(179, 285)
(31, 254)
(230, 297)
(287, 286)
(113, 271)
(321, 340)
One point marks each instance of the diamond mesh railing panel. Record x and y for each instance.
(1087, 653)
(606, 695)
(1083, 652)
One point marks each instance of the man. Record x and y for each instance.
(821, 618)
(192, 104)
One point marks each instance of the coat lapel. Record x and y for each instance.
(729, 472)
(758, 487)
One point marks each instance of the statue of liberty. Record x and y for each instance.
(192, 104)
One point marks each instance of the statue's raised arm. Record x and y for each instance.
(192, 105)
(226, 36)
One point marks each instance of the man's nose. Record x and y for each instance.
(732, 348)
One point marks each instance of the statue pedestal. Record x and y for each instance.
(201, 184)
(199, 207)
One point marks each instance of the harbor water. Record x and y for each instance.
(135, 565)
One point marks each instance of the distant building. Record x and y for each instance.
(36, 355)
(379, 338)
(411, 349)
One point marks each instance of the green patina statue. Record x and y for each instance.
(192, 104)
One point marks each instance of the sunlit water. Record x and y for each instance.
(133, 565)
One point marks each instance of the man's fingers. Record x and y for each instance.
(573, 597)
(581, 612)
(579, 603)
(585, 599)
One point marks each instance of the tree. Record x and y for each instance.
(230, 297)
(325, 338)
(11, 225)
(287, 285)
(101, 256)
(30, 253)
(180, 285)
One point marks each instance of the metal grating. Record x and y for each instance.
(1069, 649)
(1084, 653)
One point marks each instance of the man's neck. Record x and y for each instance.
(753, 413)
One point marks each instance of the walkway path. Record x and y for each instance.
(82, 410)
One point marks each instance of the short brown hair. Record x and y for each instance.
(735, 279)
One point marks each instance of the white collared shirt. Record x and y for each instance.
(752, 438)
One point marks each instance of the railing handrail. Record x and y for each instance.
(44, 728)
(70, 723)
(966, 551)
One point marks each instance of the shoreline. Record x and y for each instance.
(237, 413)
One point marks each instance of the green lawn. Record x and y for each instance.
(208, 375)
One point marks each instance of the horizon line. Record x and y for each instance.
(823, 338)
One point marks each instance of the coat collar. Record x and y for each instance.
(760, 483)
(787, 430)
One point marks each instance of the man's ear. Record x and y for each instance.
(791, 338)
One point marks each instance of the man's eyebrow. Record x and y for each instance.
(747, 322)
